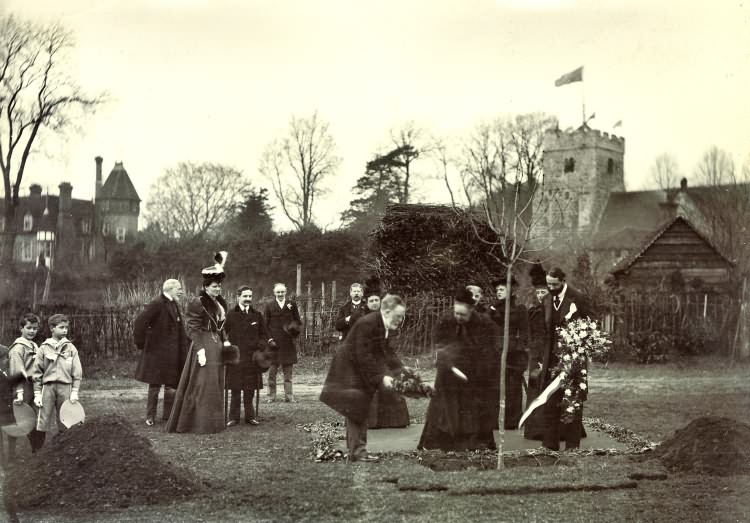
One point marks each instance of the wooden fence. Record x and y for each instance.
(108, 332)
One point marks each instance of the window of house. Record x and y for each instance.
(610, 166)
(86, 226)
(570, 165)
(120, 234)
(28, 222)
(106, 229)
(27, 250)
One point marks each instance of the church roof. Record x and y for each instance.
(118, 185)
(630, 217)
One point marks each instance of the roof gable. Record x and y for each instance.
(118, 185)
(628, 262)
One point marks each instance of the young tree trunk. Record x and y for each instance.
(503, 367)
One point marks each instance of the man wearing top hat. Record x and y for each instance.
(159, 334)
(534, 426)
(518, 341)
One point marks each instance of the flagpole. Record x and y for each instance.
(583, 99)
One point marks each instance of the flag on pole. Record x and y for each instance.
(617, 124)
(568, 78)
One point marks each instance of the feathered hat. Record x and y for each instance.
(372, 287)
(503, 280)
(215, 273)
(538, 275)
(463, 295)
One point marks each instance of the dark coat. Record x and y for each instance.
(198, 404)
(553, 318)
(276, 318)
(249, 333)
(518, 339)
(463, 414)
(358, 367)
(159, 333)
(354, 311)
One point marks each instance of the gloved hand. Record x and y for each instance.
(202, 357)
(74, 396)
(387, 382)
(226, 343)
(348, 318)
(19, 398)
(38, 399)
(272, 343)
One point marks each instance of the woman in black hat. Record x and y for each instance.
(388, 408)
(198, 405)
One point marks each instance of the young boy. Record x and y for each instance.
(57, 373)
(21, 355)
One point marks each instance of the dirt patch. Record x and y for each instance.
(101, 464)
(487, 460)
(709, 445)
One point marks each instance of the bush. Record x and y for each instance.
(648, 346)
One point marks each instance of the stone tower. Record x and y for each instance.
(581, 168)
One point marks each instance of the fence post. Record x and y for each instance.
(322, 295)
(309, 312)
(298, 289)
(333, 293)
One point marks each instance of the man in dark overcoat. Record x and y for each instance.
(518, 341)
(351, 311)
(159, 334)
(562, 305)
(364, 363)
(245, 328)
(284, 325)
(464, 410)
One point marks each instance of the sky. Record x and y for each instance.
(217, 80)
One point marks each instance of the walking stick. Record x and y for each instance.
(226, 395)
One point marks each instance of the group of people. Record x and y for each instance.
(211, 351)
(464, 408)
(42, 376)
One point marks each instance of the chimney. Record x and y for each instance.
(35, 191)
(98, 190)
(683, 184)
(66, 200)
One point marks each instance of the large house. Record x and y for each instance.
(583, 199)
(64, 232)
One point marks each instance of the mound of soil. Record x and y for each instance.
(709, 445)
(100, 464)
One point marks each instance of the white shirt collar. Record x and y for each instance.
(384, 324)
(561, 296)
(167, 296)
(281, 303)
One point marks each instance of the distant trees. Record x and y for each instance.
(193, 200)
(665, 172)
(715, 167)
(298, 164)
(374, 191)
(37, 95)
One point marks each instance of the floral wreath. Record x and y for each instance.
(578, 341)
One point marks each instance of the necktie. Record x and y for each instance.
(557, 301)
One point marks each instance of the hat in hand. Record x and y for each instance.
(293, 328)
(230, 355)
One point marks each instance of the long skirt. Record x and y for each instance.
(388, 410)
(198, 405)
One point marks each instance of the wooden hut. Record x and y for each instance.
(678, 252)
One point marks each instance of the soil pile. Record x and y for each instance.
(709, 445)
(100, 464)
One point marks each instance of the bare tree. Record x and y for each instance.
(665, 172)
(36, 95)
(192, 200)
(410, 144)
(502, 168)
(298, 164)
(715, 167)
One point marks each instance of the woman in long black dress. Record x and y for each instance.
(198, 405)
(388, 408)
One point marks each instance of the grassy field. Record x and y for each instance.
(266, 473)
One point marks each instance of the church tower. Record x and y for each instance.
(118, 205)
(581, 168)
